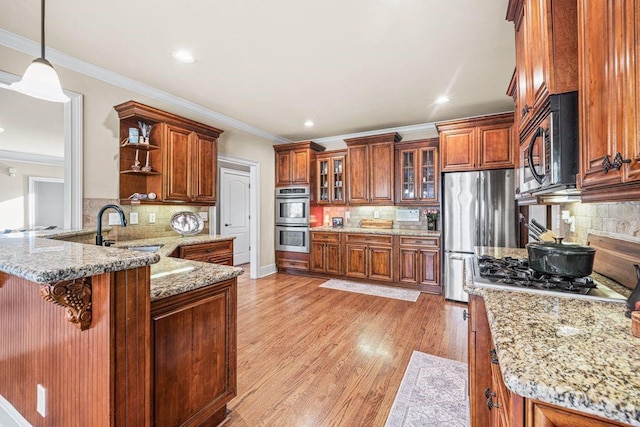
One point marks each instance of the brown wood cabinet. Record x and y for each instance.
(194, 355)
(369, 256)
(370, 174)
(331, 172)
(213, 252)
(546, 40)
(326, 252)
(182, 156)
(609, 56)
(492, 403)
(292, 261)
(478, 143)
(417, 169)
(419, 263)
(295, 163)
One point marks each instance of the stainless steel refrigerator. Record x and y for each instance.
(479, 210)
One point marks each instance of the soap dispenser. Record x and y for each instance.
(634, 298)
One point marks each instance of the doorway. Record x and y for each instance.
(253, 169)
(235, 214)
(46, 202)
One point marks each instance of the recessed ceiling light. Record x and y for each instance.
(309, 123)
(442, 100)
(1, 130)
(184, 56)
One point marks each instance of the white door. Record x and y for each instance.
(234, 211)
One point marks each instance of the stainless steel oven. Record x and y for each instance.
(292, 205)
(292, 238)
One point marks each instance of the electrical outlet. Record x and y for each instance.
(133, 218)
(376, 214)
(114, 218)
(204, 216)
(152, 218)
(41, 401)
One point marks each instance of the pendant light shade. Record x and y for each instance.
(40, 80)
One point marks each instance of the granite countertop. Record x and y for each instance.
(574, 353)
(46, 261)
(43, 259)
(398, 231)
(172, 276)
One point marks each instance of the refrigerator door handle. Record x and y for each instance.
(480, 209)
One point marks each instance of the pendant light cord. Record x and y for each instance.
(42, 31)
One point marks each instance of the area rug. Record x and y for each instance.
(433, 392)
(368, 289)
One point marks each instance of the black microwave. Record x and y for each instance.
(549, 154)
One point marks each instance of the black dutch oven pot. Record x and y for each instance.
(566, 259)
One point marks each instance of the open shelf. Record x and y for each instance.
(143, 147)
(132, 172)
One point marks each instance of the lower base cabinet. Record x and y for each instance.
(194, 356)
(213, 252)
(326, 253)
(492, 404)
(292, 261)
(369, 256)
(419, 263)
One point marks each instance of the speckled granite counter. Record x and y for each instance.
(46, 261)
(172, 276)
(574, 353)
(398, 231)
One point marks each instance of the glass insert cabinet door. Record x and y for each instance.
(330, 180)
(408, 175)
(428, 173)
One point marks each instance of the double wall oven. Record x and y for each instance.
(292, 219)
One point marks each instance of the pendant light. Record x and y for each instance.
(40, 79)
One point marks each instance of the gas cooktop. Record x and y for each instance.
(499, 273)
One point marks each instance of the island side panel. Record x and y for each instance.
(131, 353)
(38, 345)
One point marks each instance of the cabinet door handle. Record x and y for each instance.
(227, 225)
(465, 315)
(494, 356)
(525, 110)
(606, 164)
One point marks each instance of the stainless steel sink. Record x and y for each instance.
(151, 248)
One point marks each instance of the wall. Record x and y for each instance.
(101, 134)
(15, 191)
(620, 220)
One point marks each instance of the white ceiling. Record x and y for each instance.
(350, 66)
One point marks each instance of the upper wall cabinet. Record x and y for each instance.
(295, 163)
(178, 162)
(478, 143)
(609, 54)
(331, 170)
(370, 169)
(546, 39)
(417, 172)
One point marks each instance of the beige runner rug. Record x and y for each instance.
(433, 392)
(369, 289)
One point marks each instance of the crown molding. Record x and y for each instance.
(32, 48)
(402, 130)
(17, 156)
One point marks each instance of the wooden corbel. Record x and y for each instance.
(74, 296)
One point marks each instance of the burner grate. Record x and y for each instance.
(516, 272)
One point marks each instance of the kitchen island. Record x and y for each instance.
(113, 367)
(560, 360)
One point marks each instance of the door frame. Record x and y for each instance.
(254, 211)
(32, 198)
(248, 175)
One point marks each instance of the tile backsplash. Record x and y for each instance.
(357, 213)
(621, 220)
(144, 229)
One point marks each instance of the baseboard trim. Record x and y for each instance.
(267, 270)
(7, 409)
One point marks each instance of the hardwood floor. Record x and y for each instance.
(309, 356)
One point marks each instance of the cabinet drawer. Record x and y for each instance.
(325, 237)
(293, 264)
(423, 241)
(370, 238)
(205, 249)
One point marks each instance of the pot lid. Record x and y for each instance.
(558, 247)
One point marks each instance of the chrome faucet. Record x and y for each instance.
(99, 240)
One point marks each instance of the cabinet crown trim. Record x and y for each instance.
(296, 145)
(136, 109)
(385, 137)
(476, 121)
